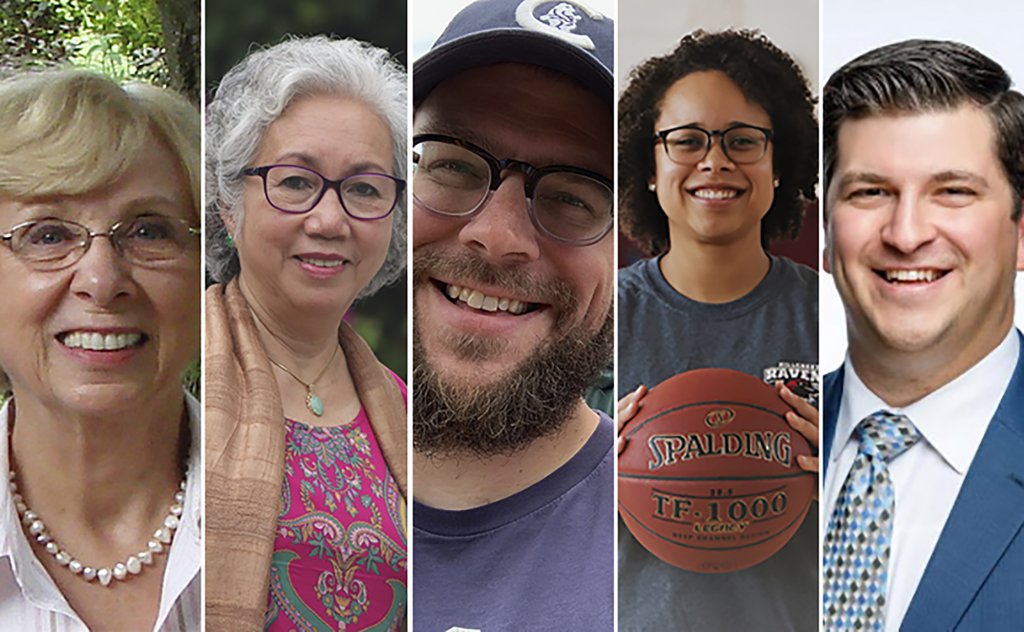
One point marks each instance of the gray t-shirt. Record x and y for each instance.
(538, 560)
(771, 333)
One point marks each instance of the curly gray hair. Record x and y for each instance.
(254, 93)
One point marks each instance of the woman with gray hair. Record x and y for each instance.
(305, 429)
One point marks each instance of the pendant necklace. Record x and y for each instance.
(313, 402)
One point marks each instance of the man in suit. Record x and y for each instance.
(923, 443)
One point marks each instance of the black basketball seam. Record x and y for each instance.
(713, 402)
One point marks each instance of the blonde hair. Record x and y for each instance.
(68, 131)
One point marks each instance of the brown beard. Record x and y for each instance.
(534, 399)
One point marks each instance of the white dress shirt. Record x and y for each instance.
(31, 602)
(927, 478)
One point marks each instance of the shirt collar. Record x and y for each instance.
(952, 419)
(184, 557)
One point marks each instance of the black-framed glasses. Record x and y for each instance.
(743, 144)
(455, 178)
(295, 189)
(54, 244)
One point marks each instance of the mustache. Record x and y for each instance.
(464, 265)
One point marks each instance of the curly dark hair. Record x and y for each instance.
(768, 77)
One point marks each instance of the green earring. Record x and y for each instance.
(230, 241)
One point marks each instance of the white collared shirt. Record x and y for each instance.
(30, 601)
(927, 477)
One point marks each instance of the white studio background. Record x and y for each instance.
(851, 28)
(429, 17)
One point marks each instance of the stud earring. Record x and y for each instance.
(651, 187)
(230, 241)
(776, 182)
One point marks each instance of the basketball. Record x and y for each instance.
(708, 479)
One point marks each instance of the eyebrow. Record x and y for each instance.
(308, 160)
(957, 175)
(864, 177)
(942, 177)
(455, 130)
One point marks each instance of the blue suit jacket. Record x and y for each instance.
(975, 577)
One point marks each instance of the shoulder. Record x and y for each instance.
(401, 385)
(635, 278)
(797, 273)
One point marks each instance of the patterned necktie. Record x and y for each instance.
(859, 536)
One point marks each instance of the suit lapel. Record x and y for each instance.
(987, 516)
(833, 395)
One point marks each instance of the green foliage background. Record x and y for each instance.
(233, 27)
(122, 39)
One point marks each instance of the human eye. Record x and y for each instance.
(957, 193)
(150, 228)
(363, 189)
(452, 166)
(867, 193)
(48, 233)
(293, 180)
(743, 140)
(569, 204)
(688, 140)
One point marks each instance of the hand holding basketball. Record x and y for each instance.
(804, 418)
(627, 407)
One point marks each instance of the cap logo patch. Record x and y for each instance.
(559, 22)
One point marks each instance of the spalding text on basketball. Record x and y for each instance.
(764, 445)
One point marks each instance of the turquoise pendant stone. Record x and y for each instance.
(315, 405)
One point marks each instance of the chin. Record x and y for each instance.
(106, 399)
(910, 339)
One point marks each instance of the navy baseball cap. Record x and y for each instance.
(563, 35)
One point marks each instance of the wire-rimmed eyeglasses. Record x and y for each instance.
(54, 244)
(295, 189)
(455, 178)
(743, 144)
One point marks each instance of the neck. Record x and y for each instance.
(304, 347)
(101, 469)
(459, 482)
(900, 378)
(715, 273)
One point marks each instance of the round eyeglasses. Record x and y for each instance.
(455, 178)
(688, 144)
(54, 244)
(294, 189)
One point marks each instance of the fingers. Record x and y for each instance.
(628, 406)
(797, 403)
(625, 410)
(809, 464)
(804, 418)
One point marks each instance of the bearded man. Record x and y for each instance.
(514, 274)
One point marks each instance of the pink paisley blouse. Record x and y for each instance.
(340, 554)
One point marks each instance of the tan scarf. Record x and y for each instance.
(245, 437)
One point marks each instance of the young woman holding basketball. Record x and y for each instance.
(718, 158)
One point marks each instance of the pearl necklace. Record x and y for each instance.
(122, 570)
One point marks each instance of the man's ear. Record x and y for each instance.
(826, 251)
(1020, 238)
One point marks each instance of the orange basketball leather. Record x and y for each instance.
(708, 480)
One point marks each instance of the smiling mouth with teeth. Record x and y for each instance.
(94, 341)
(911, 276)
(715, 194)
(483, 302)
(323, 263)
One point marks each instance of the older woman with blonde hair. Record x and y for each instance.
(306, 430)
(100, 274)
